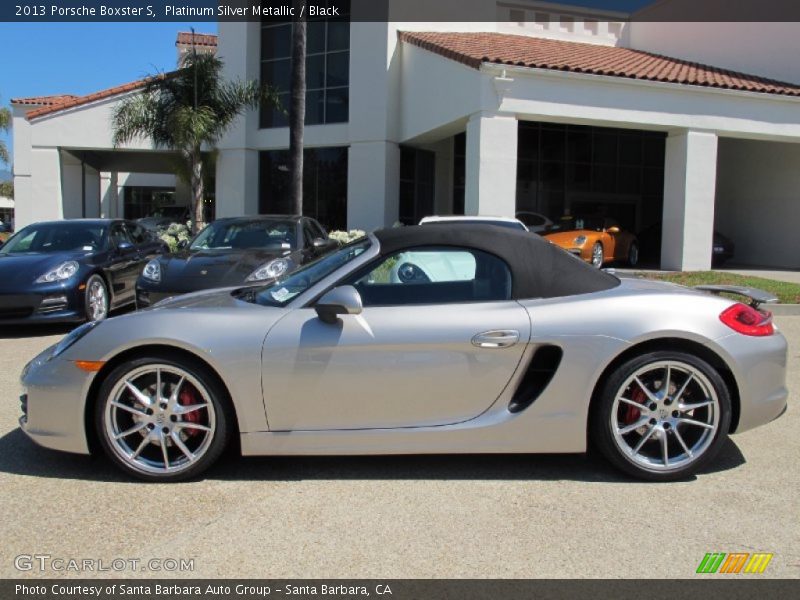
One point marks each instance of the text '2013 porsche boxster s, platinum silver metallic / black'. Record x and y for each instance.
(460, 339)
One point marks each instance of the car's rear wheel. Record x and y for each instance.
(597, 255)
(662, 416)
(633, 254)
(162, 420)
(96, 299)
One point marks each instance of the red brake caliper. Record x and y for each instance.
(187, 397)
(632, 414)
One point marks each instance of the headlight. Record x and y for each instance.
(60, 273)
(73, 337)
(271, 270)
(580, 240)
(152, 271)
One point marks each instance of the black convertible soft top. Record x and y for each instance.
(539, 268)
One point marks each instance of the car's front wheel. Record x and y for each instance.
(661, 416)
(96, 299)
(633, 254)
(598, 256)
(161, 420)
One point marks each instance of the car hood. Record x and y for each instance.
(218, 267)
(23, 269)
(568, 237)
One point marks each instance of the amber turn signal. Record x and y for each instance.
(91, 366)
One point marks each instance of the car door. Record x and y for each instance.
(437, 342)
(124, 265)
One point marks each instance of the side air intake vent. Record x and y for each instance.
(541, 369)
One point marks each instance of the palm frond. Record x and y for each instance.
(5, 126)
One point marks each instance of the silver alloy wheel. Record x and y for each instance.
(597, 255)
(665, 416)
(159, 419)
(97, 299)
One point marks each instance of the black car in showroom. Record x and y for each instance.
(234, 251)
(72, 271)
(722, 247)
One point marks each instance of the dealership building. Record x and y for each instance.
(528, 106)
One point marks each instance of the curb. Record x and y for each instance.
(784, 310)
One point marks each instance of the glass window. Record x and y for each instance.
(284, 290)
(260, 233)
(327, 69)
(435, 276)
(417, 184)
(119, 235)
(278, 72)
(137, 233)
(63, 236)
(324, 185)
(276, 41)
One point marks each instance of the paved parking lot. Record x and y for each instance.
(465, 516)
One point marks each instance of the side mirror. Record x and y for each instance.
(614, 229)
(183, 244)
(321, 244)
(344, 300)
(126, 248)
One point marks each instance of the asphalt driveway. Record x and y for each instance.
(396, 517)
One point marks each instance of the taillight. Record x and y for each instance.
(747, 320)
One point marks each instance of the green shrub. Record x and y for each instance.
(175, 234)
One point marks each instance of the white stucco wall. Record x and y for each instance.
(758, 201)
(765, 49)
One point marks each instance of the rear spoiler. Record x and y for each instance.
(757, 297)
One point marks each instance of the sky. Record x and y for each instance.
(42, 59)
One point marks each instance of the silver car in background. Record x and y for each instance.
(509, 345)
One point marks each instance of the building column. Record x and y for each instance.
(38, 194)
(373, 185)
(690, 177)
(491, 177)
(237, 183)
(109, 192)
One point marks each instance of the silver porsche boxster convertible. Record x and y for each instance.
(459, 339)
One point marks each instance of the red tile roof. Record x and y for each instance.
(73, 101)
(43, 100)
(474, 49)
(200, 39)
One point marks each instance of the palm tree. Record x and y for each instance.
(297, 114)
(187, 110)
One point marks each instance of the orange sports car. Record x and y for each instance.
(597, 240)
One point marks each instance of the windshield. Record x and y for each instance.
(577, 222)
(282, 291)
(63, 236)
(273, 234)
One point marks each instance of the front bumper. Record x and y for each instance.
(49, 303)
(53, 403)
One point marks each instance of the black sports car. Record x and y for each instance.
(232, 252)
(62, 271)
(722, 248)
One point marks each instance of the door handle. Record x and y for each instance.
(501, 338)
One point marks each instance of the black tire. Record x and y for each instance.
(94, 284)
(605, 436)
(633, 254)
(597, 251)
(223, 415)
